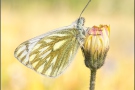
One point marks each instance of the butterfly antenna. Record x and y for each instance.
(85, 8)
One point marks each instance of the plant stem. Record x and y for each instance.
(92, 79)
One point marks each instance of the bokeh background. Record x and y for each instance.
(25, 19)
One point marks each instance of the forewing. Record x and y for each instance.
(53, 53)
(23, 50)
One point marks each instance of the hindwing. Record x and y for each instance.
(51, 53)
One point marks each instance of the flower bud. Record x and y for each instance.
(96, 46)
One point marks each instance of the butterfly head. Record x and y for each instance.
(81, 21)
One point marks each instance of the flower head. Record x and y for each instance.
(96, 46)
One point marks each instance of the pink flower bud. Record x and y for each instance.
(96, 46)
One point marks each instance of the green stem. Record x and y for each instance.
(92, 79)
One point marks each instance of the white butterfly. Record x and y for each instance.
(51, 53)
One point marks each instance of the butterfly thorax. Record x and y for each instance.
(79, 25)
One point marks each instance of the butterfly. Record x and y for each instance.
(51, 53)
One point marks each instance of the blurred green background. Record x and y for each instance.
(25, 19)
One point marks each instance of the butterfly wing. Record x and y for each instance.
(23, 50)
(51, 53)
